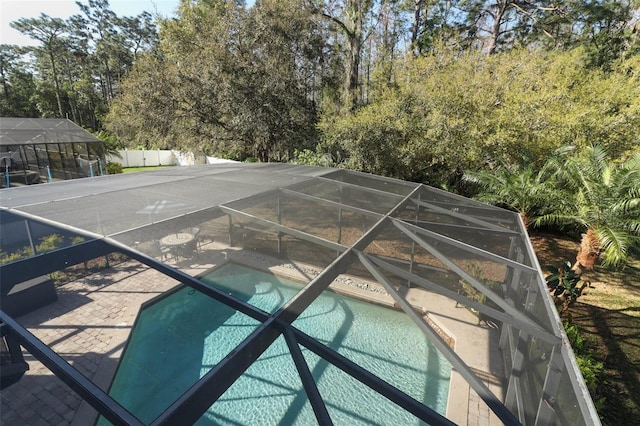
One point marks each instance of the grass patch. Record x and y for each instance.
(143, 169)
(608, 316)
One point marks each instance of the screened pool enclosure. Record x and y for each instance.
(36, 150)
(462, 273)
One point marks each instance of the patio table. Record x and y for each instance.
(179, 239)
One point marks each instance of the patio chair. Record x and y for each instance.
(165, 252)
(195, 231)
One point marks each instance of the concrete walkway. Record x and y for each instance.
(91, 321)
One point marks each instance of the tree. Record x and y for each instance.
(97, 26)
(353, 20)
(18, 85)
(226, 80)
(77, 66)
(602, 197)
(598, 25)
(435, 23)
(138, 33)
(448, 113)
(51, 32)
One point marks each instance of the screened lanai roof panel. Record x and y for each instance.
(258, 176)
(384, 184)
(62, 190)
(466, 210)
(300, 249)
(154, 198)
(21, 131)
(396, 248)
(364, 198)
(315, 216)
(78, 188)
(425, 242)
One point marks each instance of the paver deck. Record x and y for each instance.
(91, 321)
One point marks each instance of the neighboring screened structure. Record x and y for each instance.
(36, 150)
(401, 236)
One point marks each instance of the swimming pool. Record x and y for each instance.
(178, 338)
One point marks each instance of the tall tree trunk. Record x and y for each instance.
(353, 80)
(355, 36)
(109, 81)
(56, 83)
(3, 76)
(73, 95)
(415, 27)
(500, 10)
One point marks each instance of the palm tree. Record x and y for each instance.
(602, 197)
(524, 190)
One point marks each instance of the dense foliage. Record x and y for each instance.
(466, 95)
(225, 81)
(420, 89)
(445, 113)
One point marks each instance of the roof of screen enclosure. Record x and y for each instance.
(430, 230)
(25, 131)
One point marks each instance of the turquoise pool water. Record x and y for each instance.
(180, 337)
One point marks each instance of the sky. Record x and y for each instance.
(12, 10)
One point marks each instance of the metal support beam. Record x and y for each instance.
(279, 213)
(514, 395)
(527, 325)
(85, 388)
(461, 367)
(546, 414)
(465, 247)
(317, 403)
(285, 230)
(31, 243)
(471, 280)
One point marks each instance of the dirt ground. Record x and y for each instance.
(608, 314)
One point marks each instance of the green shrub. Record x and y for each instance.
(309, 157)
(114, 168)
(591, 369)
(49, 243)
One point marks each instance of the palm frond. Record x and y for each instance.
(627, 206)
(614, 245)
(558, 219)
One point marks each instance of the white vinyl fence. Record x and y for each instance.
(144, 158)
(161, 157)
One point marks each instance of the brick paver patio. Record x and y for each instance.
(88, 327)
